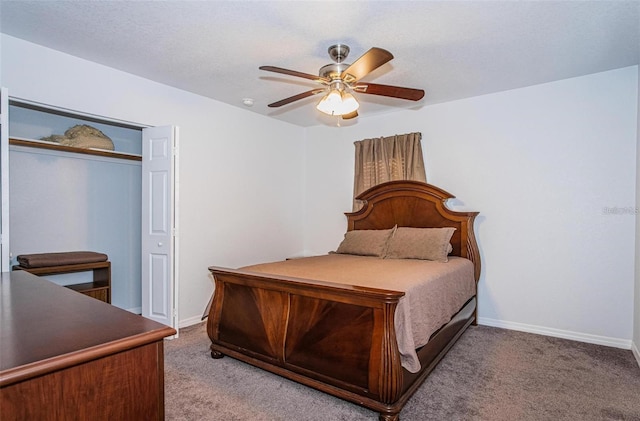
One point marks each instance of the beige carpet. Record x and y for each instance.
(490, 374)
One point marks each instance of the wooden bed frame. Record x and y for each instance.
(347, 345)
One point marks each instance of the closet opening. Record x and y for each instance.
(68, 196)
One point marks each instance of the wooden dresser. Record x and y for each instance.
(66, 356)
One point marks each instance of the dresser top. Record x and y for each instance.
(46, 327)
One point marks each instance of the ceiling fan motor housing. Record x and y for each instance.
(333, 70)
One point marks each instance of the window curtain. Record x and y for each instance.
(385, 159)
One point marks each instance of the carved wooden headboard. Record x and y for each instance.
(418, 205)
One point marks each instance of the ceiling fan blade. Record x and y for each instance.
(367, 63)
(388, 90)
(295, 98)
(295, 73)
(349, 116)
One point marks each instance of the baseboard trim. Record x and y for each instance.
(636, 352)
(558, 333)
(189, 322)
(181, 324)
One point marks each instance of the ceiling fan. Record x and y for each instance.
(340, 79)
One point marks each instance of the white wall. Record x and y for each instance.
(541, 165)
(636, 323)
(241, 174)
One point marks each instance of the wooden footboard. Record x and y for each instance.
(339, 339)
(332, 337)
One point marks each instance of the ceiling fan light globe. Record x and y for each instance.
(349, 104)
(337, 103)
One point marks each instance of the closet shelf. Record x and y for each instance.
(55, 147)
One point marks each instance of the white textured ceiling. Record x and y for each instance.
(450, 49)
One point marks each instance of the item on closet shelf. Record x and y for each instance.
(82, 136)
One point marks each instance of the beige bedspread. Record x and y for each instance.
(434, 291)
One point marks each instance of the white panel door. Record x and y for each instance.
(4, 180)
(158, 224)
